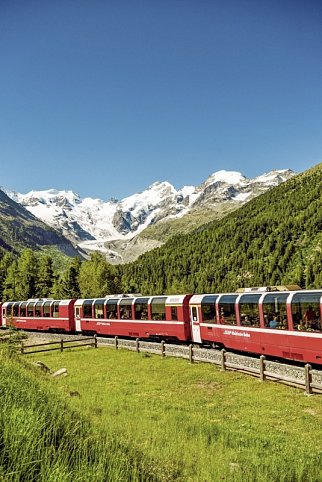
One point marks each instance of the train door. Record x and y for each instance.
(195, 325)
(4, 321)
(77, 319)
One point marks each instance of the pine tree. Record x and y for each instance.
(45, 277)
(26, 275)
(97, 278)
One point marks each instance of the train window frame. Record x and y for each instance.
(279, 310)
(302, 302)
(87, 309)
(125, 306)
(209, 301)
(31, 309)
(99, 309)
(55, 309)
(141, 308)
(156, 303)
(248, 307)
(23, 309)
(174, 313)
(46, 312)
(38, 312)
(15, 309)
(9, 308)
(111, 309)
(226, 317)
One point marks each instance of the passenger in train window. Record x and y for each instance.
(296, 320)
(222, 315)
(309, 317)
(144, 315)
(301, 326)
(274, 322)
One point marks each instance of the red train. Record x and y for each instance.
(278, 322)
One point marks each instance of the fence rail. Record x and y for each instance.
(62, 345)
(303, 377)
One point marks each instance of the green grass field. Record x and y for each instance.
(194, 422)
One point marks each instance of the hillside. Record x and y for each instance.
(276, 238)
(20, 229)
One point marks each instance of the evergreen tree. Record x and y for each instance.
(69, 282)
(45, 277)
(26, 275)
(6, 261)
(97, 278)
(10, 287)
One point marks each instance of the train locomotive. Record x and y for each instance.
(283, 322)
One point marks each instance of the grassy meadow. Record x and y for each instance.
(192, 422)
(43, 439)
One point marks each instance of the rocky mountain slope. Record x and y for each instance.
(113, 226)
(19, 229)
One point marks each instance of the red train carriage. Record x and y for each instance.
(282, 324)
(40, 314)
(160, 317)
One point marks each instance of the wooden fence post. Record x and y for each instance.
(137, 345)
(95, 341)
(190, 353)
(22, 349)
(61, 344)
(223, 359)
(162, 348)
(116, 343)
(262, 359)
(308, 379)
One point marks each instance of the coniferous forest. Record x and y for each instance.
(274, 239)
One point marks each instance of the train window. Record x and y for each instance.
(30, 309)
(248, 310)
(208, 309)
(227, 309)
(158, 308)
(87, 309)
(126, 309)
(46, 309)
(15, 309)
(306, 313)
(174, 313)
(111, 309)
(141, 308)
(38, 308)
(23, 309)
(55, 309)
(99, 309)
(274, 310)
(9, 310)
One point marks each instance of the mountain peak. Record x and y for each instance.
(92, 222)
(228, 177)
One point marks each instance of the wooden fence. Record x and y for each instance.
(62, 345)
(303, 377)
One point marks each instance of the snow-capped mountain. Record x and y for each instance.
(91, 222)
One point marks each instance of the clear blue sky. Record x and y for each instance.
(104, 97)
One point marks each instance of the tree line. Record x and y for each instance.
(275, 239)
(37, 274)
